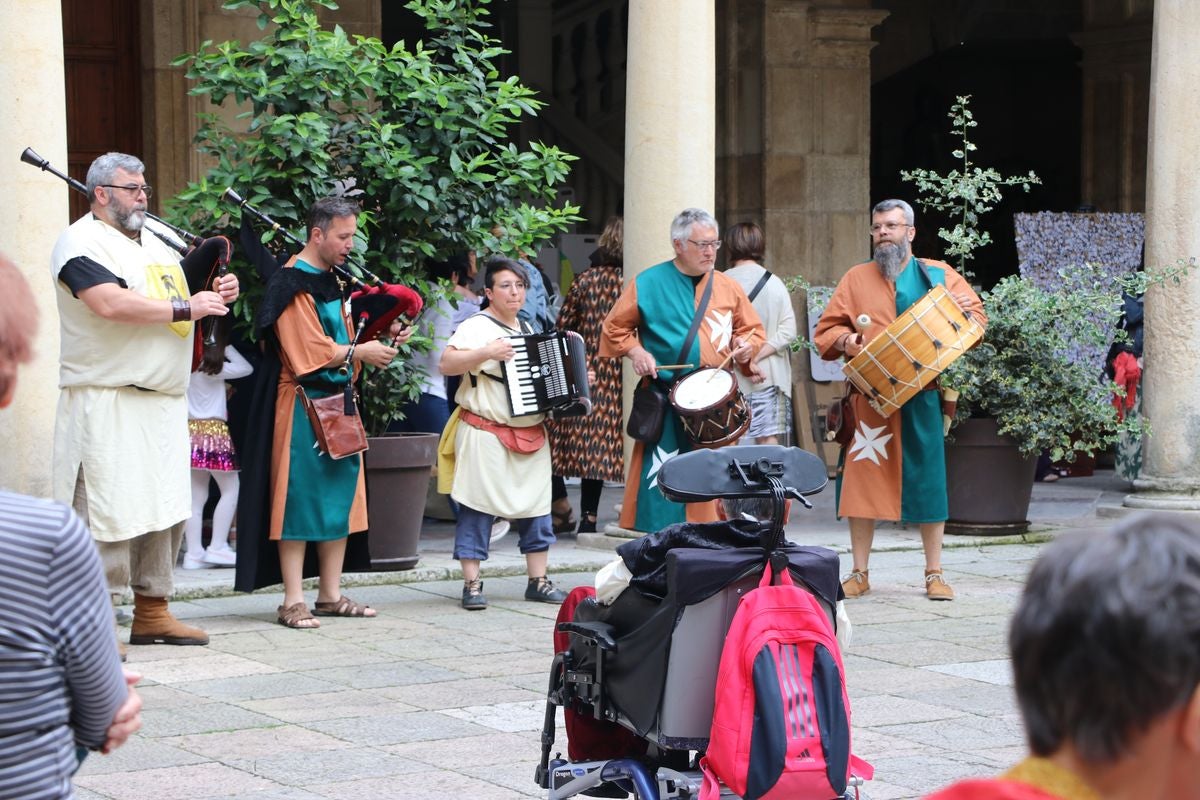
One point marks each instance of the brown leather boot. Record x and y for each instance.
(154, 624)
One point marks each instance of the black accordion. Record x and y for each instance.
(548, 375)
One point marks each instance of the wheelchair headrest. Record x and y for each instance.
(713, 474)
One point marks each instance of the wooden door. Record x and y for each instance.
(102, 48)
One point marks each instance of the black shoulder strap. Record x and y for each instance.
(500, 324)
(700, 309)
(758, 287)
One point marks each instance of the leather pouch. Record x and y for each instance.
(336, 424)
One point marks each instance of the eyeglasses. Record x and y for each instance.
(509, 286)
(715, 244)
(133, 187)
(888, 226)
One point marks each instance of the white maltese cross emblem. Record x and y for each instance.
(869, 444)
(720, 329)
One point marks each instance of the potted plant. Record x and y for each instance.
(1025, 389)
(418, 133)
(397, 466)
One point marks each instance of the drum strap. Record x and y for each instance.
(700, 309)
(758, 287)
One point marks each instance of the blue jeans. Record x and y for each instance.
(473, 534)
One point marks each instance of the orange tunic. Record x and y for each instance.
(871, 478)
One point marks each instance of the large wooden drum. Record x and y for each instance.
(908, 354)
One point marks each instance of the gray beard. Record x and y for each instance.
(891, 260)
(131, 221)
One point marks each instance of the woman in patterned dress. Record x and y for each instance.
(591, 447)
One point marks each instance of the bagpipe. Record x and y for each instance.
(203, 259)
(374, 304)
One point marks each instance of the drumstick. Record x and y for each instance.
(861, 322)
(675, 366)
(723, 365)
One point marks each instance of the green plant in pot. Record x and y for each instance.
(1026, 375)
(1033, 385)
(421, 134)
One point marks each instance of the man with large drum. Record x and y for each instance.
(650, 324)
(895, 467)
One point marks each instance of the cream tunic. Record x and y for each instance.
(488, 476)
(774, 307)
(131, 444)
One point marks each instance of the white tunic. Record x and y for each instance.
(207, 394)
(122, 413)
(488, 476)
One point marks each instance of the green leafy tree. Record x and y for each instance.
(964, 194)
(418, 133)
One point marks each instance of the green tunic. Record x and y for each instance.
(923, 489)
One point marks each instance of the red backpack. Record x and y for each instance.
(781, 719)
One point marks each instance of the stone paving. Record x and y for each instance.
(430, 701)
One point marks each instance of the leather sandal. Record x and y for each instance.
(562, 516)
(342, 607)
(291, 617)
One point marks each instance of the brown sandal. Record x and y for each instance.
(292, 616)
(342, 607)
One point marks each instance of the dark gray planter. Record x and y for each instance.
(988, 480)
(397, 474)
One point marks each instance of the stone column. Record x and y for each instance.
(31, 67)
(796, 135)
(1171, 472)
(169, 29)
(670, 129)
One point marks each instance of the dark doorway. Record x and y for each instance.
(101, 48)
(1026, 99)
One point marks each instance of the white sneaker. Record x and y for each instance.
(500, 529)
(194, 563)
(220, 557)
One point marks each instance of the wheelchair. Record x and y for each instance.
(640, 673)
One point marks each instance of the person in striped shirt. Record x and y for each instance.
(62, 689)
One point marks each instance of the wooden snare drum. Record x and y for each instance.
(712, 410)
(908, 354)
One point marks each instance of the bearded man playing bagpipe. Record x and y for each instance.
(121, 444)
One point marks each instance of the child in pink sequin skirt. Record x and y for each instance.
(213, 455)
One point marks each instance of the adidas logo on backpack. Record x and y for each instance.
(781, 719)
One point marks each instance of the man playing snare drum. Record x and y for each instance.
(650, 324)
(895, 467)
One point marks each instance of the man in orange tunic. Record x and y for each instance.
(895, 468)
(649, 324)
